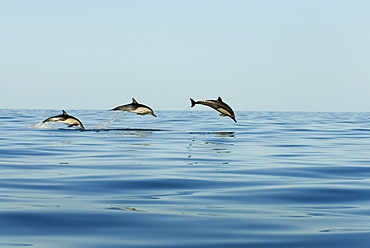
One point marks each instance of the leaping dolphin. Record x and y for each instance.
(136, 107)
(65, 119)
(218, 105)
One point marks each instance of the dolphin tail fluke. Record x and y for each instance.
(192, 102)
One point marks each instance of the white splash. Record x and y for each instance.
(104, 124)
(43, 125)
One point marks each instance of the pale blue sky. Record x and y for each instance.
(283, 55)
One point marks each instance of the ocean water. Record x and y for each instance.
(185, 179)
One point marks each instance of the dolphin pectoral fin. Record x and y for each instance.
(223, 115)
(192, 102)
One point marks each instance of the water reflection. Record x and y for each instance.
(119, 208)
(132, 133)
(208, 142)
(218, 134)
(225, 134)
(205, 145)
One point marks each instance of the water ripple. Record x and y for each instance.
(185, 179)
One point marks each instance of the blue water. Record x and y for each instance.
(185, 179)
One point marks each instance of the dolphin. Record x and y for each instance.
(218, 105)
(65, 119)
(136, 107)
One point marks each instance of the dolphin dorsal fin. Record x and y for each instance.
(219, 99)
(64, 112)
(134, 101)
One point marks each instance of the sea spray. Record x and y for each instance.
(43, 125)
(104, 124)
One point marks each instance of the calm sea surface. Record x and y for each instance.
(185, 179)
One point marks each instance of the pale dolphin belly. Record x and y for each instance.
(141, 110)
